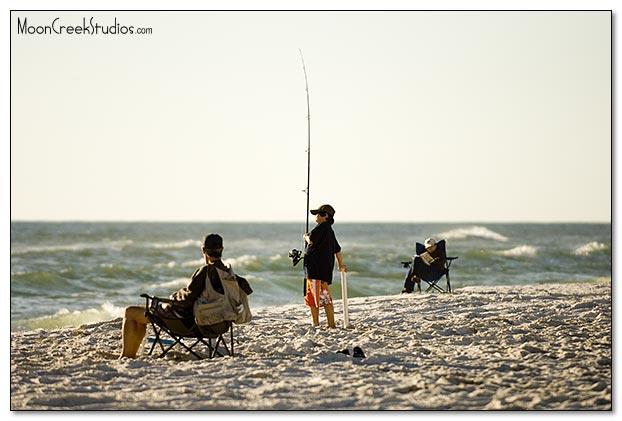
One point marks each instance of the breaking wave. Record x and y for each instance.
(520, 251)
(480, 232)
(589, 248)
(177, 244)
(74, 247)
(171, 285)
(64, 318)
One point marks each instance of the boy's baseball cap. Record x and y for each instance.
(324, 209)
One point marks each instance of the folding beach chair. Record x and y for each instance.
(430, 273)
(185, 332)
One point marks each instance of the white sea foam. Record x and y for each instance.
(65, 317)
(519, 251)
(172, 284)
(193, 263)
(251, 278)
(241, 261)
(481, 232)
(74, 247)
(169, 265)
(173, 264)
(177, 244)
(589, 248)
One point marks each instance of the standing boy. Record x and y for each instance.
(319, 262)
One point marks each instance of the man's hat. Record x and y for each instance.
(429, 242)
(324, 209)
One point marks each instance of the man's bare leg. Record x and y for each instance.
(133, 330)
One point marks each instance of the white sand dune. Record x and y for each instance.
(537, 347)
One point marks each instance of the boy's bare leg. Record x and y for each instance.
(330, 315)
(315, 315)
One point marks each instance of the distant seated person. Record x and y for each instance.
(429, 263)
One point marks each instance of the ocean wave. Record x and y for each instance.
(245, 261)
(171, 285)
(177, 244)
(519, 251)
(480, 232)
(37, 280)
(65, 318)
(589, 248)
(74, 247)
(169, 265)
(193, 263)
(173, 264)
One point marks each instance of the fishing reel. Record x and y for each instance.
(295, 255)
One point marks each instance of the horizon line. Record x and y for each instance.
(285, 221)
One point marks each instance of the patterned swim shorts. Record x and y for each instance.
(317, 294)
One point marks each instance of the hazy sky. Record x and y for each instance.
(415, 116)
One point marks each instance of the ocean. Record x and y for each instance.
(71, 273)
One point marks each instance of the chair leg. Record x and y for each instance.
(213, 349)
(220, 341)
(164, 351)
(231, 331)
(192, 346)
(434, 285)
(157, 339)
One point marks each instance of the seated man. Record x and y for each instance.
(135, 322)
(432, 261)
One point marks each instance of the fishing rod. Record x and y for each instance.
(308, 137)
(294, 254)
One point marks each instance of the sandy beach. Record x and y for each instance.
(536, 347)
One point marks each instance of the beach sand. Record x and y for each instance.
(536, 347)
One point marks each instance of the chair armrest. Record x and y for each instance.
(162, 300)
(449, 261)
(165, 300)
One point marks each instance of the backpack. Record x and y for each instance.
(213, 307)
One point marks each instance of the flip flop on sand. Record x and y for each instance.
(344, 351)
(358, 352)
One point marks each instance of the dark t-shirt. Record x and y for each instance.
(319, 259)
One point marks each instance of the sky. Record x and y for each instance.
(416, 116)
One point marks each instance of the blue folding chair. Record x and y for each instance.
(430, 273)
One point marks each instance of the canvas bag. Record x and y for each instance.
(212, 307)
